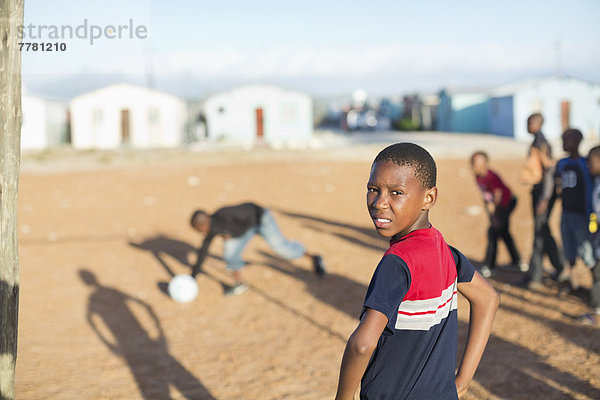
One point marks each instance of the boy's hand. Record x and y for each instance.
(461, 387)
(484, 301)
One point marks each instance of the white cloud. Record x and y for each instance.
(381, 66)
(353, 61)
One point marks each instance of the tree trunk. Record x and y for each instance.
(11, 17)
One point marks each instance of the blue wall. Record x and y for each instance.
(473, 119)
(501, 116)
(444, 112)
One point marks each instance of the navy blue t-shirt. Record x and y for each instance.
(576, 185)
(414, 285)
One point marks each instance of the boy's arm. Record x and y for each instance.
(484, 301)
(545, 158)
(359, 349)
(202, 252)
(548, 189)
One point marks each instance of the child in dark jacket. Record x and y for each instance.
(237, 225)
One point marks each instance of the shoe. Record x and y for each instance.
(485, 271)
(523, 267)
(586, 319)
(563, 276)
(319, 266)
(236, 289)
(564, 288)
(534, 285)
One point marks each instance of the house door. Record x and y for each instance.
(565, 111)
(259, 123)
(125, 127)
(68, 139)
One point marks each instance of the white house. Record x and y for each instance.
(45, 122)
(127, 115)
(256, 113)
(565, 102)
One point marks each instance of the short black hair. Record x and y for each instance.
(576, 133)
(594, 152)
(479, 153)
(411, 155)
(196, 214)
(535, 116)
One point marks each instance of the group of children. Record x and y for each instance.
(576, 180)
(405, 344)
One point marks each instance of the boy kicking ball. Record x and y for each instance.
(405, 344)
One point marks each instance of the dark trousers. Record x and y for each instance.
(595, 292)
(500, 229)
(543, 242)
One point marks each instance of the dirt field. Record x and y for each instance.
(99, 243)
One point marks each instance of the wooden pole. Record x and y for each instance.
(11, 17)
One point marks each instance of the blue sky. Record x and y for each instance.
(321, 47)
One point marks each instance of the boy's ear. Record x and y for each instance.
(430, 198)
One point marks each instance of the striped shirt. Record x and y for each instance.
(414, 285)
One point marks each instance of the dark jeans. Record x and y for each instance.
(595, 292)
(499, 229)
(543, 242)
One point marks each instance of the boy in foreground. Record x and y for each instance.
(406, 342)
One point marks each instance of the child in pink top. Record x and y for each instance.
(499, 203)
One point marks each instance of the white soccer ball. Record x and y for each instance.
(183, 288)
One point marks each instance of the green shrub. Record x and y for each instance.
(407, 124)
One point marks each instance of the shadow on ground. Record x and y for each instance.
(154, 369)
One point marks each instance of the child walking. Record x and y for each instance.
(500, 202)
(406, 342)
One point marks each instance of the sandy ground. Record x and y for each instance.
(101, 234)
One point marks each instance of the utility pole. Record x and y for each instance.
(11, 17)
(559, 66)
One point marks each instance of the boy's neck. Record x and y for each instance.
(574, 156)
(485, 173)
(422, 225)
